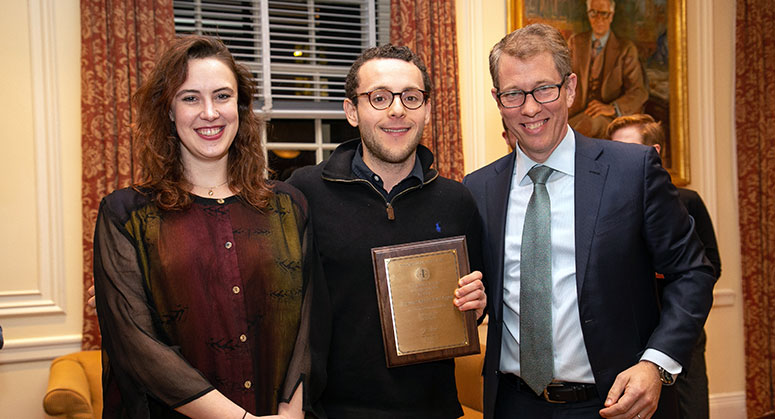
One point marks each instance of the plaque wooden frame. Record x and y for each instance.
(410, 275)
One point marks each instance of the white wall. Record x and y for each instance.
(711, 32)
(40, 168)
(710, 44)
(480, 24)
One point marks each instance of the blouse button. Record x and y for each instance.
(243, 338)
(228, 245)
(235, 289)
(220, 201)
(248, 384)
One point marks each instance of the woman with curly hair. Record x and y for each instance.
(202, 271)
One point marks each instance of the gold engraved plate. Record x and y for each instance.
(421, 289)
(416, 285)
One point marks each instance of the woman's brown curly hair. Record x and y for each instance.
(157, 141)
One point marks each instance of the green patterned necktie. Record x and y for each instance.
(536, 358)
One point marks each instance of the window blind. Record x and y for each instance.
(299, 51)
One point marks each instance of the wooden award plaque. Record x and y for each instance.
(416, 285)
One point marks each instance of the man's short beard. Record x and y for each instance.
(384, 154)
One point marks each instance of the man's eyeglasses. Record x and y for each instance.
(592, 13)
(541, 94)
(382, 98)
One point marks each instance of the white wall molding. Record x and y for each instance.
(38, 349)
(727, 405)
(49, 297)
(469, 15)
(701, 71)
(723, 297)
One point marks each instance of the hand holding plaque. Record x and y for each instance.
(416, 285)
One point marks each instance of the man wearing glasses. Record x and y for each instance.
(375, 191)
(574, 229)
(610, 77)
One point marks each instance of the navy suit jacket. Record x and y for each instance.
(629, 223)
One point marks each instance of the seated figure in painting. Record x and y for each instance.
(610, 77)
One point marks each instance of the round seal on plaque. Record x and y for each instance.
(422, 273)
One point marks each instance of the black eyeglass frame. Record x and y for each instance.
(595, 13)
(539, 88)
(393, 98)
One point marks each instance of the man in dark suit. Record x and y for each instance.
(613, 219)
(692, 384)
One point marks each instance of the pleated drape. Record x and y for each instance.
(754, 121)
(428, 28)
(119, 42)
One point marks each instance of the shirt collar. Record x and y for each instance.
(362, 171)
(603, 39)
(562, 159)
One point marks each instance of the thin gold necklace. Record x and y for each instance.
(211, 188)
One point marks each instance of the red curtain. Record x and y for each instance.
(754, 116)
(119, 41)
(428, 28)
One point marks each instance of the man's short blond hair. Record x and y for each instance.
(650, 130)
(528, 42)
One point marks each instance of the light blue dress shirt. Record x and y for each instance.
(603, 39)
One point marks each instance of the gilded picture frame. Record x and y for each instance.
(668, 102)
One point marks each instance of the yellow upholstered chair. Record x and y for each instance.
(75, 386)
(468, 375)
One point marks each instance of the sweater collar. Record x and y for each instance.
(339, 165)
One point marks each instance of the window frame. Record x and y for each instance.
(315, 110)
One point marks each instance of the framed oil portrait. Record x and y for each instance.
(658, 30)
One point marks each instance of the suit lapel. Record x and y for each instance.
(585, 56)
(611, 54)
(498, 188)
(589, 183)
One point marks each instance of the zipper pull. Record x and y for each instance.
(390, 213)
